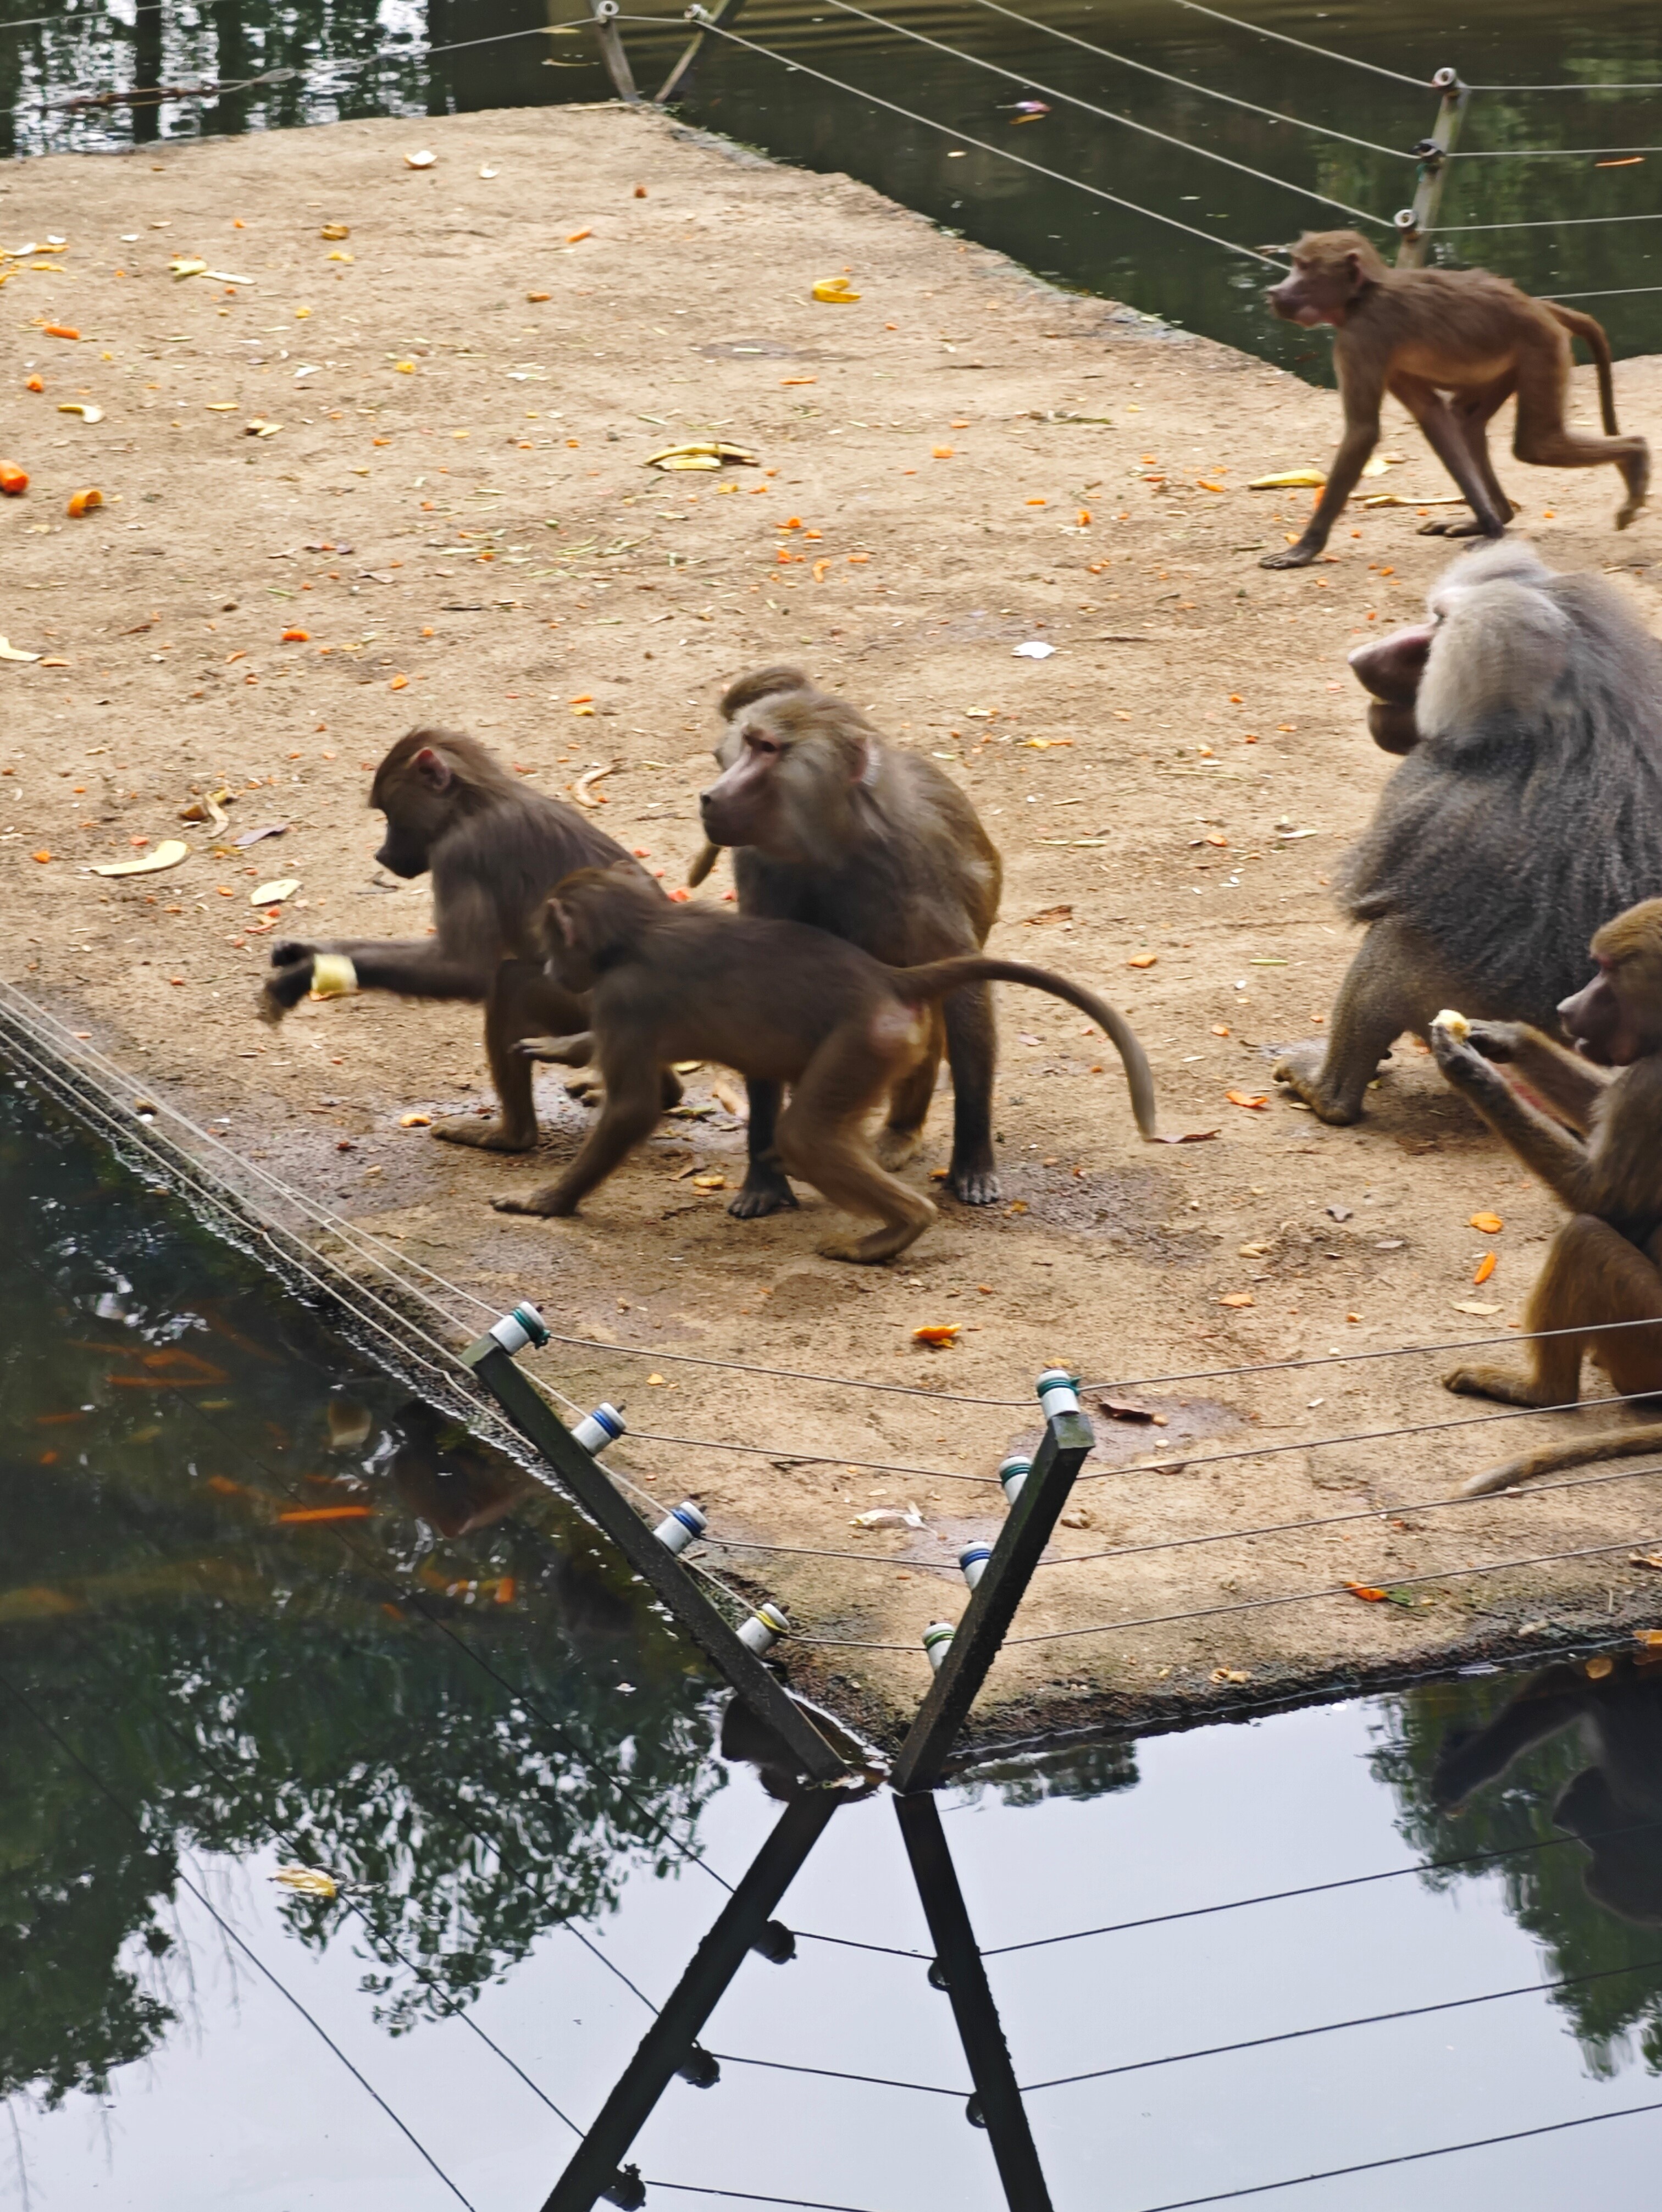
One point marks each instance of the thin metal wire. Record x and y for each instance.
(837, 2074)
(1635, 84)
(1620, 292)
(1544, 154)
(793, 1373)
(1187, 84)
(1321, 1888)
(1339, 2026)
(1338, 1589)
(1336, 1519)
(1350, 61)
(230, 1933)
(1546, 222)
(1358, 1437)
(1246, 1605)
(1406, 2157)
(750, 2197)
(1001, 153)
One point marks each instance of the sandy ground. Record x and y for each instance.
(467, 384)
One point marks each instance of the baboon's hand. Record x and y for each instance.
(1459, 1062)
(1296, 556)
(1495, 1040)
(284, 988)
(288, 949)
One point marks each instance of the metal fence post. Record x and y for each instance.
(709, 18)
(604, 13)
(1069, 1438)
(665, 2047)
(959, 1957)
(1414, 224)
(594, 1491)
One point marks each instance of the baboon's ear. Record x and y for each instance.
(564, 919)
(433, 768)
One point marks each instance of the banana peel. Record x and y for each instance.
(701, 454)
(1313, 479)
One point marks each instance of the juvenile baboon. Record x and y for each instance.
(836, 827)
(1598, 1146)
(783, 1004)
(1528, 810)
(496, 849)
(1418, 333)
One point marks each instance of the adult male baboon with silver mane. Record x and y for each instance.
(1527, 811)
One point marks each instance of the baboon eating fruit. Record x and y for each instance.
(495, 849)
(1418, 333)
(782, 1003)
(836, 827)
(1526, 811)
(1597, 1144)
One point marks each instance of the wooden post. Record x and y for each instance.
(1415, 223)
(604, 13)
(594, 1491)
(1069, 1438)
(723, 12)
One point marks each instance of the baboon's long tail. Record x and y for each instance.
(1584, 327)
(940, 976)
(1606, 1443)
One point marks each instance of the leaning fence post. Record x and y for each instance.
(665, 2048)
(974, 1645)
(604, 13)
(1416, 224)
(709, 18)
(570, 1453)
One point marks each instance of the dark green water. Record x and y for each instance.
(520, 1777)
(353, 59)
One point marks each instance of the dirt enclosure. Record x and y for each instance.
(459, 370)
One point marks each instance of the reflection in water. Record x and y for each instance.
(258, 1600)
(358, 57)
(1505, 1768)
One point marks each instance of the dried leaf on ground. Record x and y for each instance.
(1129, 1409)
(1475, 1306)
(888, 1516)
(274, 893)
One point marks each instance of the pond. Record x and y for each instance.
(1231, 138)
(263, 1610)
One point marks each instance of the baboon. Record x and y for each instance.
(496, 849)
(1418, 333)
(1528, 810)
(780, 1002)
(1613, 1805)
(837, 829)
(1597, 1144)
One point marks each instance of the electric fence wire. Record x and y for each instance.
(1406, 2157)
(1285, 38)
(1185, 84)
(230, 1935)
(706, 22)
(1545, 223)
(1620, 292)
(1109, 115)
(1417, 1867)
(191, 1741)
(1250, 1604)
(54, 1037)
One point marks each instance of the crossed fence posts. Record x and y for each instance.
(597, 2172)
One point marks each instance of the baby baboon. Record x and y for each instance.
(1598, 1147)
(836, 827)
(1418, 333)
(782, 1003)
(1528, 811)
(496, 849)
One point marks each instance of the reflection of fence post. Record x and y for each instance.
(665, 2046)
(604, 13)
(1414, 224)
(1068, 1440)
(723, 12)
(594, 1491)
(959, 1957)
